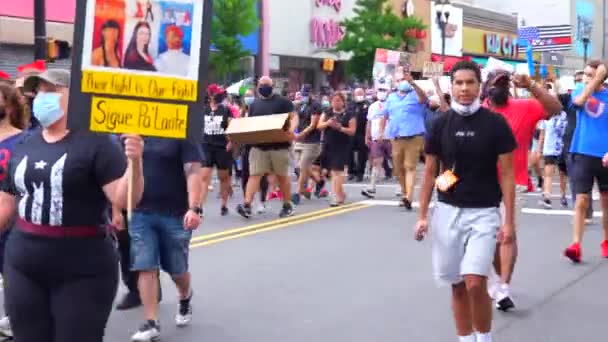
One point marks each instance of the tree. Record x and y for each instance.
(232, 19)
(373, 26)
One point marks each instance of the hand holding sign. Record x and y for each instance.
(134, 146)
(522, 81)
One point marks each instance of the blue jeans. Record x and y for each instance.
(159, 241)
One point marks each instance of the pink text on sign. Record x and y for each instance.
(325, 33)
(336, 4)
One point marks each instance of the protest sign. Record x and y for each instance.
(389, 67)
(432, 69)
(139, 67)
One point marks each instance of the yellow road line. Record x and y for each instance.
(280, 225)
(270, 223)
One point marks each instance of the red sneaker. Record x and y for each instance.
(604, 247)
(574, 252)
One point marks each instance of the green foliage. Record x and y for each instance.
(231, 19)
(373, 26)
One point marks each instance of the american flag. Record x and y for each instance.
(546, 38)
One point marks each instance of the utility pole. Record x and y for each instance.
(40, 45)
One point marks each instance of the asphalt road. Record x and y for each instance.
(356, 274)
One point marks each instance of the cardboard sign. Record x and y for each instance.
(139, 67)
(432, 69)
(389, 67)
(259, 129)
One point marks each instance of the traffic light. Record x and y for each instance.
(328, 65)
(58, 49)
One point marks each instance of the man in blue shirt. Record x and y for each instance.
(589, 146)
(405, 111)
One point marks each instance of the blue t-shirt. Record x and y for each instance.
(166, 190)
(592, 124)
(554, 134)
(405, 115)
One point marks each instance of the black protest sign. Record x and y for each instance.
(139, 67)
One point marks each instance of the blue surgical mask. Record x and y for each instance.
(305, 99)
(325, 104)
(249, 100)
(47, 108)
(405, 87)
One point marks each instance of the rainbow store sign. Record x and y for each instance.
(501, 45)
(326, 33)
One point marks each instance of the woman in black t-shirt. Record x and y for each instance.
(60, 263)
(216, 147)
(339, 125)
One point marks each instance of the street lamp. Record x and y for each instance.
(586, 39)
(442, 8)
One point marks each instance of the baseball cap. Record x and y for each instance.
(214, 89)
(57, 77)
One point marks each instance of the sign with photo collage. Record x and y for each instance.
(139, 67)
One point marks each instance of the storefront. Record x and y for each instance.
(303, 34)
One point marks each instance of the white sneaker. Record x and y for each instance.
(261, 208)
(184, 312)
(5, 327)
(148, 332)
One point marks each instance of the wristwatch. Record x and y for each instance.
(197, 210)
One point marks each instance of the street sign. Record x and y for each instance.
(139, 67)
(432, 69)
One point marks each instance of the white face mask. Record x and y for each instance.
(466, 110)
(381, 95)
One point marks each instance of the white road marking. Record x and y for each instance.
(553, 212)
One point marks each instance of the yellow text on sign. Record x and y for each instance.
(155, 87)
(138, 117)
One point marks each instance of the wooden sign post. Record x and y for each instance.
(140, 69)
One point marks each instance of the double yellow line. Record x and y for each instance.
(225, 235)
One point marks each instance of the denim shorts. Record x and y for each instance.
(159, 241)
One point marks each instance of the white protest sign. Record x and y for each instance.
(432, 69)
(496, 64)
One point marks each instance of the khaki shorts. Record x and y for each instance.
(306, 154)
(263, 162)
(406, 153)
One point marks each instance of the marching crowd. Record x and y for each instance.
(63, 195)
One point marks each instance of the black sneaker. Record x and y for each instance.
(546, 203)
(130, 300)
(148, 332)
(287, 210)
(184, 312)
(295, 198)
(564, 202)
(369, 193)
(505, 304)
(244, 210)
(224, 211)
(407, 204)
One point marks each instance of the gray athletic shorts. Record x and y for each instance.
(464, 242)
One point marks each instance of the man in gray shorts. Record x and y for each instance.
(469, 141)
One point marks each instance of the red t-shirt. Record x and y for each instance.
(523, 116)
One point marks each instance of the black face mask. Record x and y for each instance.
(434, 108)
(2, 113)
(498, 96)
(265, 90)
